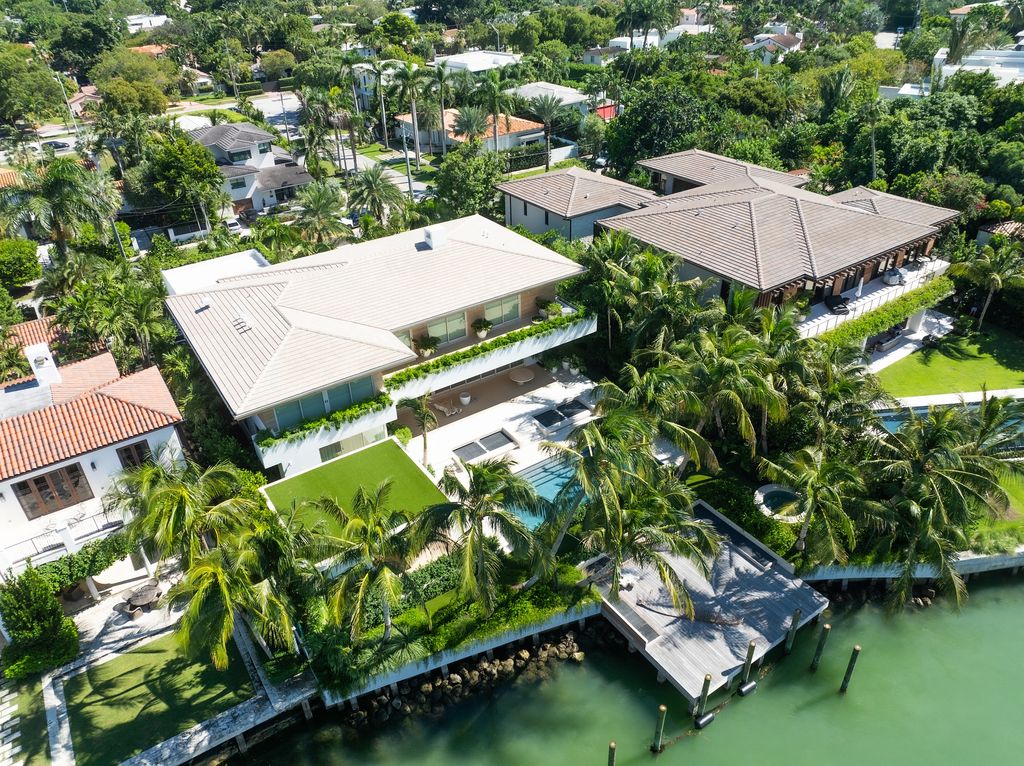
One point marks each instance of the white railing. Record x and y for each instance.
(51, 544)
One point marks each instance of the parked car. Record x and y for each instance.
(234, 226)
(56, 145)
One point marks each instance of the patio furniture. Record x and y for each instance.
(521, 375)
(837, 304)
(447, 411)
(144, 596)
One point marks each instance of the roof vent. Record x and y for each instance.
(40, 359)
(435, 236)
(205, 302)
(241, 324)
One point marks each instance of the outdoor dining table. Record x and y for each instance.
(145, 595)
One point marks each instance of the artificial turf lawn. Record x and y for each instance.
(122, 707)
(411, 491)
(34, 737)
(993, 359)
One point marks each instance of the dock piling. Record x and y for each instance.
(849, 669)
(746, 685)
(825, 630)
(791, 633)
(611, 753)
(703, 703)
(659, 731)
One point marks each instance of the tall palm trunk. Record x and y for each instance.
(547, 148)
(874, 158)
(386, 609)
(764, 430)
(444, 129)
(383, 120)
(984, 309)
(495, 131)
(416, 133)
(352, 141)
(424, 444)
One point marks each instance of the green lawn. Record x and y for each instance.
(124, 706)
(340, 478)
(995, 359)
(34, 738)
(226, 115)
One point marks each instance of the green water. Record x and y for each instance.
(931, 687)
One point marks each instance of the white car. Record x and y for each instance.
(234, 226)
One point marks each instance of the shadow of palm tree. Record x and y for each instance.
(954, 347)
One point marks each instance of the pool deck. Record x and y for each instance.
(750, 594)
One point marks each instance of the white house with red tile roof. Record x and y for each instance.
(66, 433)
(512, 131)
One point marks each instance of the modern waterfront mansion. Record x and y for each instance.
(313, 356)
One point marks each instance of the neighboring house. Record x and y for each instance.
(773, 48)
(87, 94)
(672, 173)
(912, 90)
(1007, 66)
(637, 41)
(569, 97)
(366, 83)
(568, 201)
(255, 175)
(602, 56)
(1011, 229)
(749, 230)
(693, 16)
(287, 344)
(141, 21)
(153, 51)
(43, 330)
(512, 131)
(962, 11)
(202, 81)
(478, 61)
(66, 434)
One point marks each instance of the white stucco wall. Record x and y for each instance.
(533, 219)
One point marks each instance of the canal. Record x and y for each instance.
(934, 686)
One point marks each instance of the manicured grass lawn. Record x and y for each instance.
(412, 489)
(994, 359)
(226, 115)
(124, 706)
(34, 738)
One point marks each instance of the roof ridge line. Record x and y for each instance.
(129, 402)
(755, 240)
(811, 260)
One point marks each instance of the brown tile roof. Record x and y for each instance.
(150, 50)
(507, 124)
(575, 191)
(786, 41)
(893, 206)
(699, 167)
(83, 419)
(763, 234)
(8, 178)
(29, 333)
(1012, 229)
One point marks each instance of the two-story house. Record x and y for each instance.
(312, 357)
(66, 433)
(257, 174)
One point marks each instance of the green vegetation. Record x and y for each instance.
(31, 713)
(221, 115)
(41, 636)
(88, 561)
(993, 359)
(331, 420)
(884, 317)
(128, 704)
(340, 478)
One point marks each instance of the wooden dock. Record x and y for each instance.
(750, 595)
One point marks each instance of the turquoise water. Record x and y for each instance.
(547, 478)
(931, 687)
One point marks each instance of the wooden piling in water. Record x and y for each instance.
(825, 630)
(659, 731)
(749, 662)
(703, 703)
(611, 753)
(849, 669)
(791, 633)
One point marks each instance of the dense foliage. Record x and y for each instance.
(41, 636)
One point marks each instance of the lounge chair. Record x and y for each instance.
(446, 411)
(837, 304)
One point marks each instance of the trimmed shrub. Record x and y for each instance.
(91, 559)
(331, 419)
(41, 636)
(19, 264)
(884, 317)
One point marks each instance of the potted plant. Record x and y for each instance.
(482, 327)
(427, 345)
(575, 363)
(802, 303)
(542, 306)
(555, 309)
(537, 318)
(566, 362)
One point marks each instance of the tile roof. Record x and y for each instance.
(699, 167)
(566, 95)
(763, 234)
(150, 50)
(283, 177)
(607, 51)
(92, 408)
(893, 206)
(231, 136)
(284, 331)
(9, 178)
(507, 124)
(29, 333)
(575, 191)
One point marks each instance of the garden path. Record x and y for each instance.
(10, 748)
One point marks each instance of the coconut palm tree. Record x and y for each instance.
(443, 81)
(319, 216)
(424, 416)
(372, 190)
(314, 140)
(827, 489)
(471, 122)
(549, 109)
(480, 509)
(993, 269)
(58, 199)
(835, 90)
(492, 96)
(181, 509)
(381, 70)
(408, 85)
(282, 240)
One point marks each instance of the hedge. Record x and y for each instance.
(286, 83)
(19, 263)
(249, 88)
(884, 317)
(91, 559)
(41, 636)
(380, 402)
(455, 358)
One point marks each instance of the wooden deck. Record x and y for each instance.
(748, 596)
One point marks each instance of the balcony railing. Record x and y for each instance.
(52, 543)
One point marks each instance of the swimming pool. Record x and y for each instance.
(547, 477)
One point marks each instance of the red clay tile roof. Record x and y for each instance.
(29, 333)
(8, 178)
(84, 420)
(506, 126)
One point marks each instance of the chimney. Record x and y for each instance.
(40, 359)
(435, 237)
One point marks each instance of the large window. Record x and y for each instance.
(238, 183)
(52, 491)
(502, 310)
(449, 328)
(241, 156)
(133, 455)
(263, 148)
(350, 393)
(330, 451)
(405, 336)
(317, 405)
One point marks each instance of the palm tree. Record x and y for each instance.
(282, 240)
(182, 509)
(381, 70)
(471, 122)
(342, 116)
(993, 269)
(58, 199)
(836, 89)
(626, 19)
(408, 83)
(492, 96)
(1015, 14)
(871, 112)
(961, 39)
(443, 80)
(373, 557)
(372, 190)
(549, 109)
(314, 140)
(424, 416)
(143, 313)
(826, 489)
(480, 508)
(13, 363)
(319, 216)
